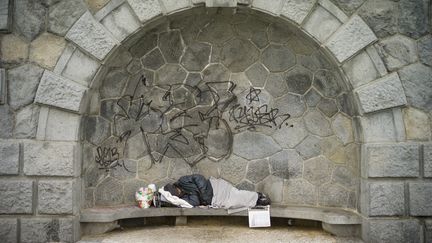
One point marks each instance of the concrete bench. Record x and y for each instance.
(336, 221)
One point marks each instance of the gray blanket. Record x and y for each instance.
(227, 196)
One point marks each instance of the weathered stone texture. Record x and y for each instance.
(7, 121)
(60, 92)
(296, 108)
(238, 54)
(349, 6)
(233, 169)
(80, 68)
(392, 160)
(196, 56)
(317, 124)
(49, 230)
(257, 170)
(397, 51)
(109, 192)
(271, 7)
(428, 229)
(289, 137)
(298, 79)
(360, 70)
(96, 129)
(378, 127)
(386, 199)
(257, 74)
(417, 82)
(414, 20)
(29, 18)
(333, 195)
(321, 24)
(251, 145)
(121, 22)
(63, 15)
(13, 49)
(417, 124)
(273, 187)
(23, 82)
(175, 5)
(393, 231)
(16, 197)
(419, 197)
(220, 3)
(342, 128)
(384, 93)
(309, 147)
(350, 38)
(63, 126)
(53, 159)
(8, 230)
(56, 197)
(381, 16)
(286, 164)
(427, 158)
(9, 158)
(328, 83)
(425, 49)
(317, 170)
(113, 84)
(299, 191)
(278, 58)
(91, 36)
(27, 122)
(145, 9)
(297, 10)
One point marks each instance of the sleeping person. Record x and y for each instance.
(196, 190)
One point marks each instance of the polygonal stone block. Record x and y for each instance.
(346, 42)
(196, 56)
(144, 45)
(299, 191)
(145, 9)
(23, 83)
(215, 72)
(252, 145)
(427, 157)
(417, 25)
(50, 158)
(60, 92)
(113, 84)
(317, 124)
(39, 53)
(153, 172)
(397, 51)
(386, 199)
(424, 47)
(220, 3)
(419, 197)
(170, 74)
(286, 164)
(416, 124)
(16, 197)
(171, 46)
(62, 126)
(309, 147)
(417, 83)
(217, 32)
(278, 58)
(343, 176)
(238, 54)
(9, 158)
(34, 11)
(317, 170)
(56, 197)
(342, 128)
(109, 192)
(312, 97)
(63, 15)
(27, 122)
(360, 70)
(276, 85)
(233, 169)
(333, 195)
(328, 107)
(328, 83)
(296, 106)
(290, 136)
(91, 36)
(96, 130)
(175, 5)
(378, 127)
(384, 93)
(257, 74)
(257, 170)
(298, 79)
(271, 7)
(392, 160)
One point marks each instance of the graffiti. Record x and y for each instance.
(183, 121)
(251, 117)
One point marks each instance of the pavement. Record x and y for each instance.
(215, 231)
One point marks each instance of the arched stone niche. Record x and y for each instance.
(230, 93)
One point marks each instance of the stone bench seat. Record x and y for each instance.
(326, 215)
(336, 221)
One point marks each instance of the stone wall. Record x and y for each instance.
(58, 50)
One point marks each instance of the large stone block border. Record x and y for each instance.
(90, 36)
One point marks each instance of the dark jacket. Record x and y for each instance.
(197, 189)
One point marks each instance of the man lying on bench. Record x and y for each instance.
(196, 190)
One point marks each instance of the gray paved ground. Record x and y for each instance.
(216, 232)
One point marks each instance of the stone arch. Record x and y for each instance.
(66, 92)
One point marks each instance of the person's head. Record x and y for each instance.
(175, 191)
